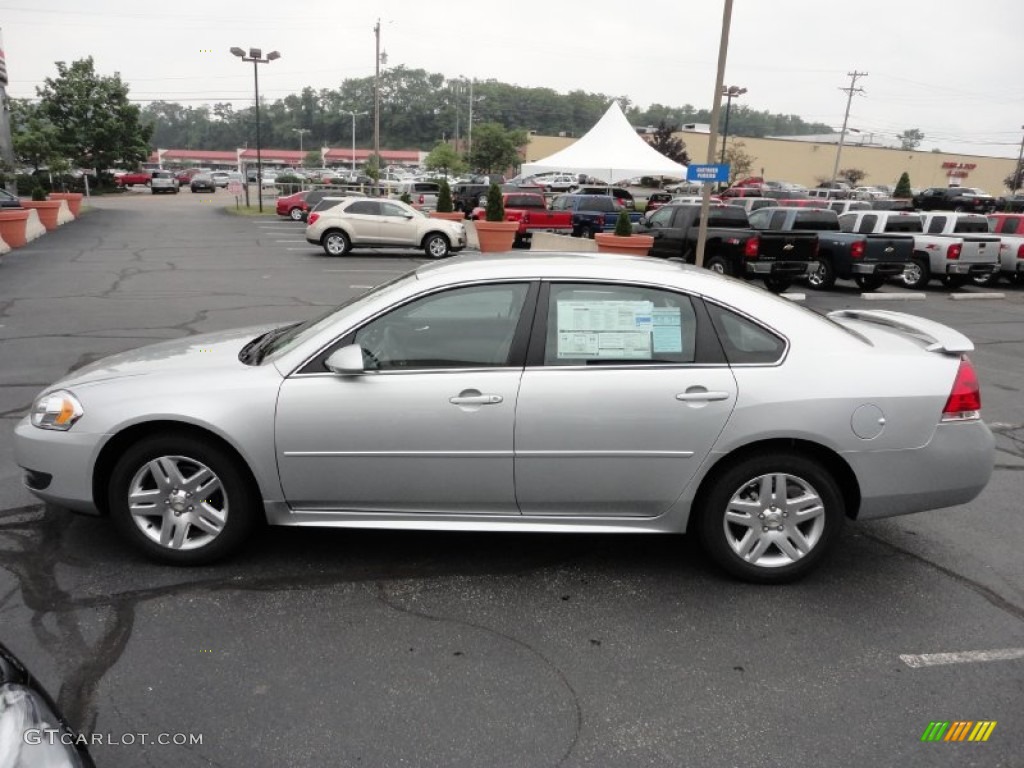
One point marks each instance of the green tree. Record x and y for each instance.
(444, 197)
(623, 226)
(444, 158)
(739, 160)
(852, 175)
(373, 166)
(495, 204)
(910, 139)
(312, 159)
(495, 148)
(903, 186)
(1015, 180)
(670, 146)
(96, 125)
(33, 136)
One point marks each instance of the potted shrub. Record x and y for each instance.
(445, 209)
(12, 226)
(494, 233)
(47, 209)
(623, 240)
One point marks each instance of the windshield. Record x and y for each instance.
(825, 221)
(289, 337)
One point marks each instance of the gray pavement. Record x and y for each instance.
(367, 648)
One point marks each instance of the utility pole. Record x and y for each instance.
(376, 93)
(849, 100)
(469, 128)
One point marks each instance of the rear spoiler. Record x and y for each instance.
(940, 338)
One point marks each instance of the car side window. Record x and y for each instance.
(365, 207)
(390, 209)
(744, 341)
(605, 324)
(867, 224)
(661, 218)
(469, 327)
(937, 224)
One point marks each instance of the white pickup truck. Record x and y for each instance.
(952, 247)
(1010, 229)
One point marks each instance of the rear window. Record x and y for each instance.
(728, 216)
(163, 175)
(524, 201)
(971, 226)
(904, 224)
(816, 220)
(597, 203)
(431, 189)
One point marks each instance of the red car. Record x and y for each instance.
(296, 207)
(134, 177)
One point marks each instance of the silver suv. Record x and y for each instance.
(164, 181)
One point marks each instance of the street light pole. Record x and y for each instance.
(256, 57)
(300, 131)
(1019, 182)
(730, 93)
(354, 116)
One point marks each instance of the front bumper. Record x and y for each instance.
(953, 468)
(66, 457)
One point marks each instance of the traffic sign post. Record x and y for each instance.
(711, 173)
(235, 188)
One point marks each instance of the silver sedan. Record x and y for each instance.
(507, 393)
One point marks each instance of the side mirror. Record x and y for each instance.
(347, 360)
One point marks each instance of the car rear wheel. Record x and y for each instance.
(336, 244)
(955, 281)
(587, 232)
(436, 246)
(295, 214)
(181, 500)
(770, 519)
(917, 274)
(719, 265)
(777, 284)
(824, 277)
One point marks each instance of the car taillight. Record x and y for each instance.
(751, 248)
(421, 199)
(311, 219)
(857, 250)
(1020, 252)
(965, 400)
(953, 252)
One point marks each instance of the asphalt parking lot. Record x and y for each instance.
(426, 649)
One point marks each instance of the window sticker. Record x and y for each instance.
(606, 329)
(667, 334)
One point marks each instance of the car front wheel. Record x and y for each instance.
(770, 519)
(824, 276)
(181, 500)
(436, 246)
(295, 214)
(336, 244)
(719, 265)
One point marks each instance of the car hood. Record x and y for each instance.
(204, 352)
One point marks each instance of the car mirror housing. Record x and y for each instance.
(347, 360)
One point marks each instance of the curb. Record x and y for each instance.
(794, 296)
(977, 296)
(893, 296)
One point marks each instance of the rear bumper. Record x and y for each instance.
(953, 468)
(957, 268)
(890, 268)
(780, 268)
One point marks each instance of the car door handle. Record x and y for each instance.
(702, 396)
(475, 400)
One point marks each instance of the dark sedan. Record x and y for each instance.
(202, 182)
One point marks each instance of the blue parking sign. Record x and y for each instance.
(706, 174)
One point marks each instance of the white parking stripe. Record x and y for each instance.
(893, 296)
(964, 657)
(976, 296)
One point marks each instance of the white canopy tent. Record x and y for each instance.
(611, 151)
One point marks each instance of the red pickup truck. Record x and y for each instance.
(134, 177)
(530, 209)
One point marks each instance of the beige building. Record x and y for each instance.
(807, 163)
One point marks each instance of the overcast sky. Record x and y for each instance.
(948, 67)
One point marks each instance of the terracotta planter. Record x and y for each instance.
(634, 245)
(12, 226)
(47, 210)
(496, 236)
(74, 200)
(448, 215)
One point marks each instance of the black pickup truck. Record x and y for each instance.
(868, 259)
(954, 199)
(732, 248)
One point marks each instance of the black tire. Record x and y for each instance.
(824, 277)
(587, 232)
(295, 214)
(719, 264)
(436, 246)
(955, 281)
(986, 281)
(815, 533)
(232, 507)
(777, 284)
(917, 274)
(336, 243)
(869, 283)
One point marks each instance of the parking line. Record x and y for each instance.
(290, 241)
(794, 296)
(978, 296)
(893, 296)
(917, 661)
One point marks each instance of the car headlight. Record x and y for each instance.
(56, 410)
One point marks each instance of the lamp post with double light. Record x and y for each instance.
(730, 92)
(257, 58)
(354, 116)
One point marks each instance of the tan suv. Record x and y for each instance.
(360, 222)
(164, 181)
